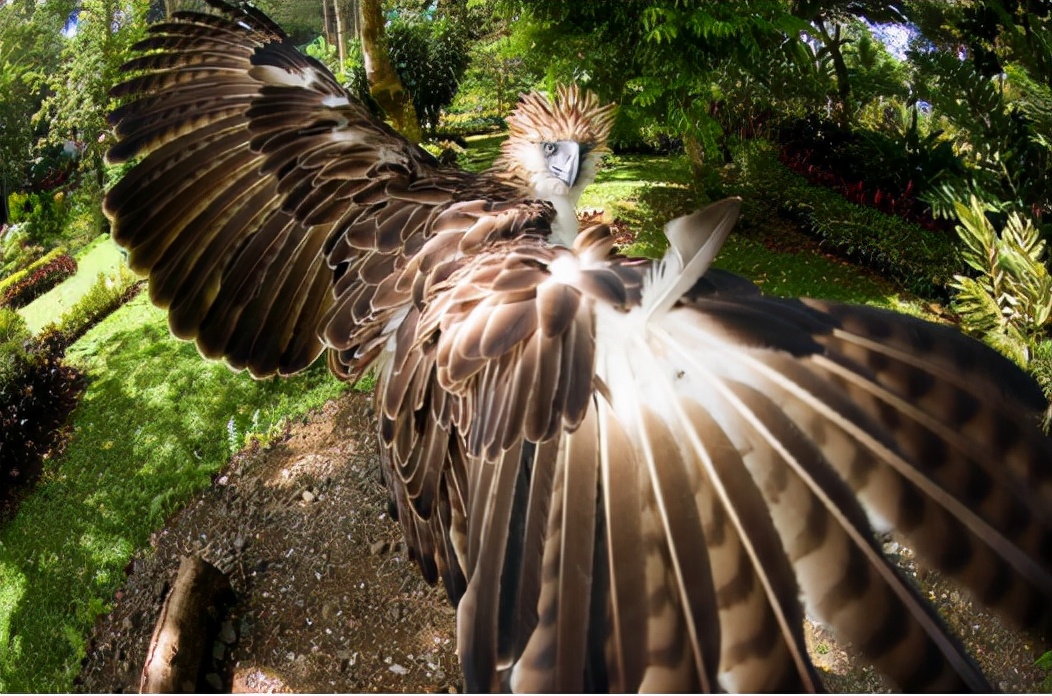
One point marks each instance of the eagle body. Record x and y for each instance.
(628, 474)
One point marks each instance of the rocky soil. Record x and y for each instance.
(327, 600)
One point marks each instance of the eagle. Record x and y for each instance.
(629, 474)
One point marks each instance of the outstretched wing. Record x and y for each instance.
(267, 205)
(627, 477)
(634, 476)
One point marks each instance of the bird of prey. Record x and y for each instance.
(629, 474)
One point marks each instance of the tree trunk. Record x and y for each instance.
(843, 79)
(695, 152)
(351, 15)
(188, 621)
(341, 37)
(384, 85)
(326, 23)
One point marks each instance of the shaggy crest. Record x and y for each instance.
(573, 114)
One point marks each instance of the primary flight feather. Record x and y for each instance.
(628, 474)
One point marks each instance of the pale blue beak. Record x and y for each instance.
(564, 160)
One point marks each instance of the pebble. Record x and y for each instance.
(218, 650)
(308, 497)
(398, 669)
(377, 547)
(227, 634)
(214, 681)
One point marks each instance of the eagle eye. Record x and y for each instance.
(549, 148)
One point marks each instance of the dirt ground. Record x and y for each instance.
(327, 600)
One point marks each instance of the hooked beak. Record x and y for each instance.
(564, 162)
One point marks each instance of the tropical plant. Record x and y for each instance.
(430, 54)
(1009, 303)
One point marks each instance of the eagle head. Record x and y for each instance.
(553, 149)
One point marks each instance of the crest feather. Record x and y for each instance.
(573, 114)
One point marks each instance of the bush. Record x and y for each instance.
(101, 300)
(1009, 303)
(1040, 366)
(18, 251)
(891, 167)
(24, 287)
(43, 214)
(468, 123)
(920, 260)
(37, 393)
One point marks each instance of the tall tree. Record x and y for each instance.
(662, 59)
(430, 53)
(91, 60)
(30, 44)
(830, 20)
(384, 83)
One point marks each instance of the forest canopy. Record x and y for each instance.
(912, 107)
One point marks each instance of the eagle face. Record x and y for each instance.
(553, 150)
(563, 161)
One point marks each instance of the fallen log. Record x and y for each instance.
(185, 629)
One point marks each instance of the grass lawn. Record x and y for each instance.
(101, 256)
(157, 422)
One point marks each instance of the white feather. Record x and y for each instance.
(695, 240)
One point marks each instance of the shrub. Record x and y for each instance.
(22, 288)
(891, 169)
(1009, 304)
(468, 123)
(920, 260)
(102, 299)
(44, 214)
(37, 393)
(18, 250)
(1041, 367)
(430, 54)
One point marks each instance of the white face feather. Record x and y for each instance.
(535, 167)
(550, 138)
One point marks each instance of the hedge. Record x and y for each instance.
(921, 261)
(37, 389)
(22, 273)
(37, 393)
(102, 299)
(25, 286)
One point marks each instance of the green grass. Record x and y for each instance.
(156, 423)
(645, 191)
(101, 256)
(806, 274)
(481, 151)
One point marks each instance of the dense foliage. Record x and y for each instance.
(1009, 303)
(37, 392)
(921, 260)
(905, 109)
(22, 288)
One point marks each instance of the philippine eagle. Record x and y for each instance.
(629, 474)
